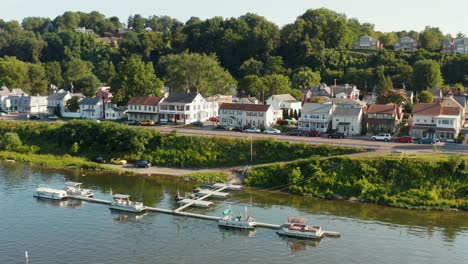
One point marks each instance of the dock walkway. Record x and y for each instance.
(179, 211)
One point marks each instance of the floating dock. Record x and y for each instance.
(198, 202)
(215, 194)
(232, 187)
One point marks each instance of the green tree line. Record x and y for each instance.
(249, 53)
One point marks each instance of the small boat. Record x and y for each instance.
(236, 221)
(122, 202)
(74, 188)
(43, 192)
(296, 227)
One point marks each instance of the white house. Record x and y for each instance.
(113, 112)
(32, 104)
(316, 117)
(59, 99)
(91, 108)
(435, 121)
(347, 120)
(248, 115)
(144, 108)
(184, 108)
(284, 101)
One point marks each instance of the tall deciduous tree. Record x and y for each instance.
(305, 78)
(425, 97)
(135, 78)
(431, 38)
(426, 74)
(53, 72)
(193, 72)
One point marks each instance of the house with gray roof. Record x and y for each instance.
(406, 44)
(284, 101)
(459, 46)
(347, 120)
(91, 108)
(32, 104)
(316, 117)
(367, 42)
(185, 108)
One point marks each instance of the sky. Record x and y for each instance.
(450, 15)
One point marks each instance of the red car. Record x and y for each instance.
(313, 134)
(405, 139)
(214, 119)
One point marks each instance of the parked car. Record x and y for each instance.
(381, 137)
(427, 141)
(272, 131)
(252, 130)
(118, 161)
(53, 117)
(3, 114)
(336, 135)
(146, 123)
(229, 128)
(197, 123)
(132, 122)
(313, 134)
(142, 164)
(34, 117)
(405, 139)
(295, 132)
(214, 119)
(99, 159)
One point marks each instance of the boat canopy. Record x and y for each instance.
(120, 196)
(74, 184)
(297, 220)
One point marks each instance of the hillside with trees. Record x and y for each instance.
(218, 54)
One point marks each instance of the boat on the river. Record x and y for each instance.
(296, 227)
(74, 188)
(122, 202)
(48, 193)
(236, 221)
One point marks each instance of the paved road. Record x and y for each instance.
(376, 146)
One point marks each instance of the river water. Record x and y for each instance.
(79, 232)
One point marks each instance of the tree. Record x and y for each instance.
(13, 72)
(10, 141)
(53, 73)
(431, 38)
(392, 96)
(426, 74)
(193, 72)
(135, 78)
(388, 39)
(275, 84)
(252, 85)
(305, 78)
(77, 69)
(251, 67)
(425, 97)
(73, 104)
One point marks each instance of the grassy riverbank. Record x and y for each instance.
(111, 140)
(435, 182)
(53, 161)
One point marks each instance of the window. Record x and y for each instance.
(171, 107)
(139, 107)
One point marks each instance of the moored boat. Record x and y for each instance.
(74, 188)
(296, 227)
(122, 202)
(48, 193)
(236, 221)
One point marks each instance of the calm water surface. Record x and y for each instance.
(79, 232)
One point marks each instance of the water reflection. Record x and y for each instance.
(295, 244)
(228, 232)
(71, 203)
(123, 217)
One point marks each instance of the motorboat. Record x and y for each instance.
(296, 227)
(236, 221)
(48, 193)
(122, 202)
(74, 189)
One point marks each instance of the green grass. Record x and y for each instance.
(53, 161)
(209, 177)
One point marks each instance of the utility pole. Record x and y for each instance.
(251, 149)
